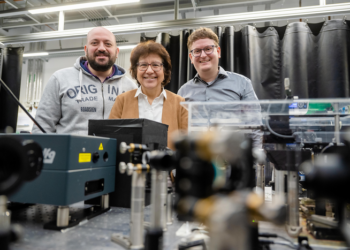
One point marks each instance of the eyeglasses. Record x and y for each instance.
(144, 66)
(207, 50)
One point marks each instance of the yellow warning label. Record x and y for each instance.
(101, 147)
(84, 157)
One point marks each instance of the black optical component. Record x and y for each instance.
(20, 160)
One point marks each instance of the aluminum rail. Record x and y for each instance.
(23, 11)
(138, 12)
(149, 10)
(159, 26)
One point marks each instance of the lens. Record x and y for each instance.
(20, 160)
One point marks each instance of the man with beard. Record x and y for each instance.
(86, 91)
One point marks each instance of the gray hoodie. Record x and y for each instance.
(65, 109)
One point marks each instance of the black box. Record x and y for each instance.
(151, 133)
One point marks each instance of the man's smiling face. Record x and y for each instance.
(101, 49)
(205, 63)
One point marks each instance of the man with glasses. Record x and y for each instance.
(86, 91)
(212, 83)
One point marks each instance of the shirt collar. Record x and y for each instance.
(222, 74)
(139, 91)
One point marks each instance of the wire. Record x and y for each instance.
(327, 147)
(271, 242)
(284, 244)
(22, 107)
(276, 134)
(291, 242)
(273, 132)
(269, 235)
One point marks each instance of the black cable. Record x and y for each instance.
(271, 242)
(291, 242)
(276, 134)
(269, 235)
(270, 129)
(327, 147)
(22, 107)
(284, 244)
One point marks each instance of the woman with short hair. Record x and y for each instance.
(151, 67)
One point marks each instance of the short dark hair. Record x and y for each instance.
(202, 33)
(145, 49)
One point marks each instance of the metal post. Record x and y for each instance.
(336, 123)
(176, 9)
(280, 183)
(250, 8)
(169, 208)
(61, 21)
(105, 201)
(163, 199)
(322, 2)
(154, 235)
(62, 216)
(156, 221)
(4, 214)
(137, 207)
(181, 61)
(267, 7)
(5, 223)
(260, 177)
(293, 203)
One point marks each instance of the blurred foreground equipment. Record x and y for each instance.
(214, 182)
(328, 177)
(21, 161)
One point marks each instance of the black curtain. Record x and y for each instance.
(11, 75)
(315, 58)
(227, 45)
(333, 59)
(261, 61)
(183, 58)
(191, 72)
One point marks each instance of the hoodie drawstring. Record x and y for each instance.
(80, 83)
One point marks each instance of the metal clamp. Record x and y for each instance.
(130, 168)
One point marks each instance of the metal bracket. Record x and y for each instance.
(121, 240)
(293, 231)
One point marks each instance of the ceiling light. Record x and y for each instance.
(80, 6)
(14, 20)
(127, 46)
(36, 54)
(70, 51)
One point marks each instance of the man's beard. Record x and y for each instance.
(98, 66)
